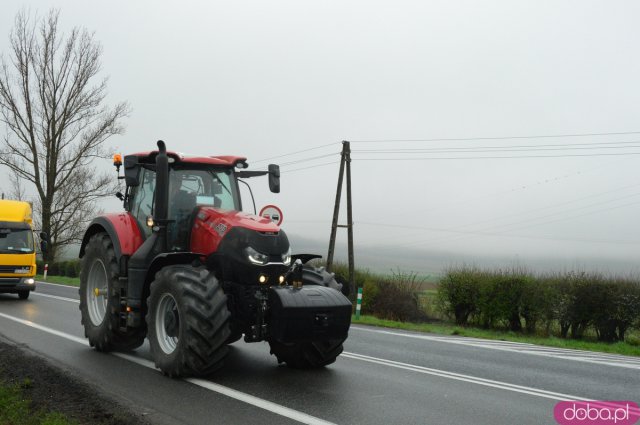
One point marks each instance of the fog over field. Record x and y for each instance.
(491, 132)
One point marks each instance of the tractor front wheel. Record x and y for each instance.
(100, 299)
(188, 321)
(307, 355)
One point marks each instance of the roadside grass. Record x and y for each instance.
(625, 348)
(16, 410)
(62, 280)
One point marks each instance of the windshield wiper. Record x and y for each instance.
(16, 250)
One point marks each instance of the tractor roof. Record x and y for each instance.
(225, 160)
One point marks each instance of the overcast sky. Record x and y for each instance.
(401, 80)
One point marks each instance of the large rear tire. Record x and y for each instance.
(188, 321)
(100, 298)
(307, 355)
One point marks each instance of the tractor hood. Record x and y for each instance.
(237, 219)
(213, 226)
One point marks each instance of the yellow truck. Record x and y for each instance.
(17, 249)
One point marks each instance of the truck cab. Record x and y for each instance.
(17, 249)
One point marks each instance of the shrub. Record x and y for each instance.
(619, 308)
(370, 293)
(500, 298)
(458, 293)
(539, 299)
(71, 268)
(54, 269)
(397, 298)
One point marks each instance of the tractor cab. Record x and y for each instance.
(192, 182)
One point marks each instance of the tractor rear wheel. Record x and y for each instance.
(307, 355)
(100, 298)
(188, 321)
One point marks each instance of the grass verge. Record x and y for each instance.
(16, 410)
(62, 280)
(624, 348)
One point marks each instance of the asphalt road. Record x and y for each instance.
(383, 377)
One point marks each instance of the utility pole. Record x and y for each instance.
(345, 162)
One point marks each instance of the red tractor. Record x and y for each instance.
(183, 266)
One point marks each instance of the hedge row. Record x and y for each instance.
(571, 302)
(69, 268)
(394, 297)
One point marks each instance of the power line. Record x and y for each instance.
(310, 167)
(497, 138)
(494, 149)
(480, 233)
(473, 148)
(495, 157)
(488, 233)
(308, 159)
(296, 152)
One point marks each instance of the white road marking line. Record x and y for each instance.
(220, 389)
(603, 359)
(56, 297)
(465, 378)
(41, 282)
(29, 323)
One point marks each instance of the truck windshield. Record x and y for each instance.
(16, 241)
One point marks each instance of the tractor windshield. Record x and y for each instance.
(202, 187)
(193, 187)
(16, 241)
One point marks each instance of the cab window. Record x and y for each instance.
(142, 202)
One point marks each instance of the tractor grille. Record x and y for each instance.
(11, 269)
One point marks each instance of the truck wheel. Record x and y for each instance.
(188, 321)
(23, 295)
(307, 355)
(100, 298)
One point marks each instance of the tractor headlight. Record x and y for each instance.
(256, 257)
(286, 258)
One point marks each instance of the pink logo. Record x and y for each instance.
(596, 412)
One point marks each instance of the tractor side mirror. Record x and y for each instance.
(131, 170)
(274, 178)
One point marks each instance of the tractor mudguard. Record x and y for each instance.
(311, 313)
(122, 229)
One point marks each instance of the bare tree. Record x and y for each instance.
(56, 122)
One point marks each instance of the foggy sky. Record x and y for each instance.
(267, 79)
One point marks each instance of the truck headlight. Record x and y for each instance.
(286, 257)
(30, 281)
(256, 257)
